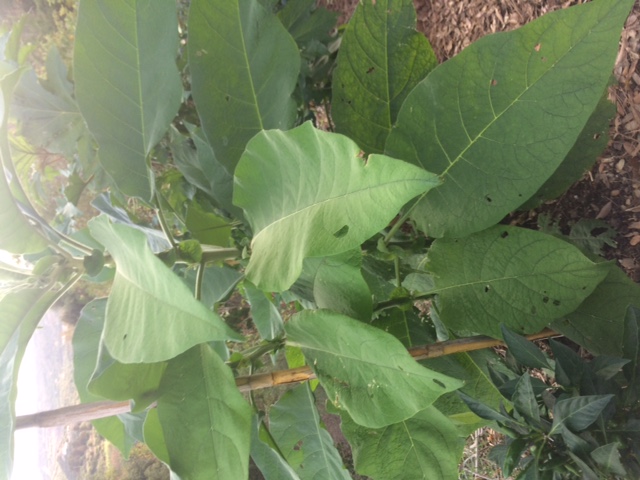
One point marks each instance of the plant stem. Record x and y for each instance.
(199, 278)
(163, 221)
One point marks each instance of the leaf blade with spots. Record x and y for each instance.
(377, 390)
(308, 193)
(522, 278)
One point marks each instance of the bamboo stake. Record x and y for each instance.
(93, 411)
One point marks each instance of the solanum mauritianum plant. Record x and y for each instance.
(199, 115)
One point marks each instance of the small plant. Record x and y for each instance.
(209, 181)
(580, 423)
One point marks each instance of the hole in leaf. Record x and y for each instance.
(556, 303)
(494, 82)
(227, 97)
(487, 288)
(537, 47)
(596, 136)
(545, 300)
(298, 445)
(439, 383)
(504, 234)
(124, 337)
(342, 232)
(371, 69)
(488, 199)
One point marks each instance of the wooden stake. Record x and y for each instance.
(93, 411)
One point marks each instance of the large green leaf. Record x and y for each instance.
(498, 119)
(8, 381)
(598, 323)
(307, 193)
(336, 283)
(48, 113)
(426, 445)
(577, 413)
(295, 426)
(266, 454)
(86, 344)
(264, 313)
(205, 420)
(151, 314)
(21, 312)
(522, 278)
(376, 389)
(590, 143)
(127, 84)
(244, 67)
(470, 367)
(381, 58)
(195, 159)
(17, 235)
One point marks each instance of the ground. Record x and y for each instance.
(611, 190)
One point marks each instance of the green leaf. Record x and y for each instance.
(86, 345)
(124, 381)
(578, 413)
(198, 385)
(217, 284)
(484, 411)
(49, 117)
(585, 151)
(154, 436)
(336, 283)
(266, 455)
(598, 323)
(381, 58)
(524, 401)
(570, 368)
(524, 351)
(299, 206)
(127, 84)
(17, 235)
(264, 313)
(522, 278)
(201, 168)
(377, 390)
(151, 315)
(208, 228)
(591, 236)
(296, 428)
(472, 368)
(307, 23)
(499, 118)
(426, 445)
(608, 458)
(21, 312)
(253, 90)
(8, 388)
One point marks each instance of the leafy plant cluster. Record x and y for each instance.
(189, 129)
(584, 424)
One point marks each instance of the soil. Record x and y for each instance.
(610, 191)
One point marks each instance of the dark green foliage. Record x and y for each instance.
(582, 425)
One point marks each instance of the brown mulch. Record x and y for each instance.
(611, 190)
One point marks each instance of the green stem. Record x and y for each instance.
(199, 279)
(401, 220)
(214, 254)
(396, 264)
(163, 221)
(396, 302)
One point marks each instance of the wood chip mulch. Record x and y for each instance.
(611, 190)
